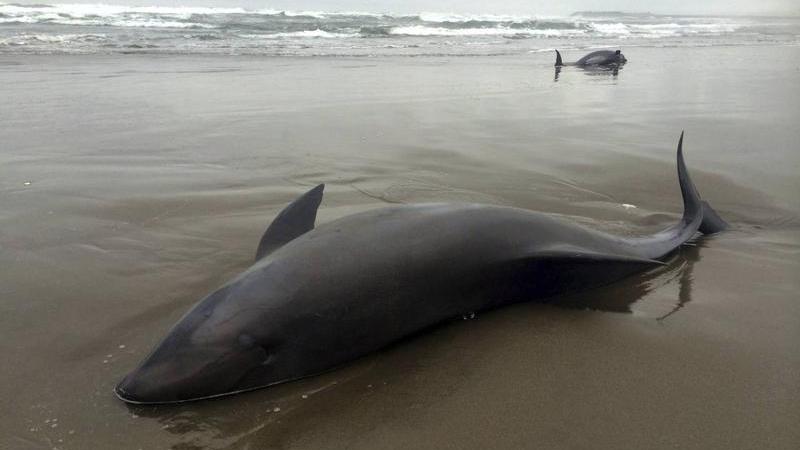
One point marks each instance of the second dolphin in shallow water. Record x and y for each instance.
(319, 297)
(607, 58)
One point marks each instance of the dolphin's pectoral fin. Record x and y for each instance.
(566, 269)
(297, 218)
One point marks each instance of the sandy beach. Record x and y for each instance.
(132, 185)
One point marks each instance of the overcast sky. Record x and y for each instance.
(540, 7)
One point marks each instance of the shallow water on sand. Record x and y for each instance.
(130, 186)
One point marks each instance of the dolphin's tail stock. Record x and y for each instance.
(697, 216)
(558, 59)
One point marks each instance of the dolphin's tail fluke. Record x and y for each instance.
(712, 222)
(693, 206)
(697, 216)
(558, 59)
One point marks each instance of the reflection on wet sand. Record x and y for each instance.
(690, 253)
(621, 296)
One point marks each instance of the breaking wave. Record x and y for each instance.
(188, 28)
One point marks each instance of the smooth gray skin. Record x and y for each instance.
(598, 58)
(317, 298)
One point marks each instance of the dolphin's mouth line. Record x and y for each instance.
(224, 394)
(119, 392)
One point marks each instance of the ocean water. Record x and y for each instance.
(100, 28)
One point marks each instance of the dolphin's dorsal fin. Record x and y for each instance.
(297, 218)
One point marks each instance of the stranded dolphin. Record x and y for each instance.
(599, 58)
(319, 297)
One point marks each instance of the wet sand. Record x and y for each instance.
(130, 186)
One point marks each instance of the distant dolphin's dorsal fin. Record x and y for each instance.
(296, 219)
(558, 59)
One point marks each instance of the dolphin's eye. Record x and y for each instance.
(247, 341)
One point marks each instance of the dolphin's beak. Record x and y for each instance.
(125, 392)
(167, 377)
(130, 390)
(147, 385)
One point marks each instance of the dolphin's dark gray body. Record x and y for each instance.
(319, 297)
(606, 58)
